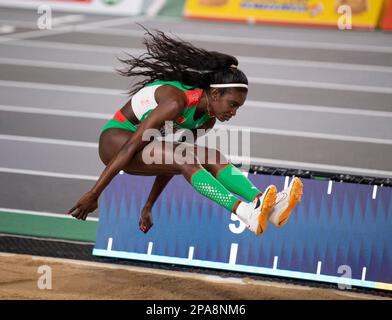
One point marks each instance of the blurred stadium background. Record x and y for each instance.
(319, 107)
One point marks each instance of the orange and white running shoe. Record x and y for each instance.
(255, 214)
(286, 201)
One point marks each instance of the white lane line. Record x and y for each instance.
(57, 112)
(256, 41)
(242, 59)
(233, 253)
(63, 46)
(58, 65)
(60, 87)
(110, 244)
(190, 253)
(248, 104)
(252, 80)
(57, 21)
(66, 29)
(19, 23)
(318, 268)
(319, 85)
(374, 192)
(110, 23)
(60, 215)
(149, 249)
(363, 274)
(304, 134)
(70, 18)
(286, 43)
(276, 163)
(35, 34)
(321, 109)
(280, 132)
(275, 266)
(72, 143)
(330, 182)
(49, 174)
(4, 29)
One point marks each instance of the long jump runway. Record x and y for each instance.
(318, 100)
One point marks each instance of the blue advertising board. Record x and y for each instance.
(340, 232)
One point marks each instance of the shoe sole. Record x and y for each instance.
(295, 198)
(268, 204)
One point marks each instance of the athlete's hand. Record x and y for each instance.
(88, 203)
(145, 220)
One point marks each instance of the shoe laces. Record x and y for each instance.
(281, 195)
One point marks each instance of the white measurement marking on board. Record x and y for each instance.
(190, 253)
(149, 250)
(275, 263)
(363, 274)
(330, 187)
(374, 192)
(110, 243)
(318, 267)
(233, 253)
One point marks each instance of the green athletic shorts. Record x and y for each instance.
(119, 121)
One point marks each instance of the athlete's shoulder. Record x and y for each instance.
(167, 94)
(173, 90)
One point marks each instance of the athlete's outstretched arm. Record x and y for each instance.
(160, 183)
(145, 221)
(167, 109)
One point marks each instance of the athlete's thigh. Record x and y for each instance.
(156, 158)
(209, 156)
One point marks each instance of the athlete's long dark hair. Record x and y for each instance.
(172, 59)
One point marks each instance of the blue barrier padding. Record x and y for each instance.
(327, 235)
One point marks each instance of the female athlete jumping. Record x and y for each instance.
(192, 88)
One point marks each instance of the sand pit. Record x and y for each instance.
(74, 279)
